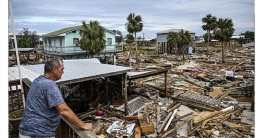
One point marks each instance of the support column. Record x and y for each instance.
(106, 58)
(165, 84)
(162, 48)
(129, 86)
(165, 48)
(114, 59)
(106, 89)
(91, 88)
(157, 48)
(125, 94)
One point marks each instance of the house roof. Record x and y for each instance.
(237, 36)
(61, 31)
(22, 49)
(65, 30)
(75, 71)
(173, 30)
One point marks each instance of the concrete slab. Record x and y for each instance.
(248, 117)
(183, 110)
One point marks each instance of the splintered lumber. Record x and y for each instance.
(174, 107)
(224, 94)
(164, 122)
(175, 128)
(213, 114)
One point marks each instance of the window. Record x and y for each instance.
(109, 41)
(49, 42)
(45, 42)
(60, 41)
(75, 41)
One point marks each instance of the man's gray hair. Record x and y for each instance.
(51, 64)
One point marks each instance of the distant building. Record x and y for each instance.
(165, 47)
(64, 44)
(11, 42)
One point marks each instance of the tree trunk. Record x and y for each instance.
(130, 54)
(183, 52)
(207, 43)
(223, 60)
(136, 47)
(176, 48)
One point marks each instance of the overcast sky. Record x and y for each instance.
(45, 16)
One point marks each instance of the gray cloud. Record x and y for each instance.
(48, 15)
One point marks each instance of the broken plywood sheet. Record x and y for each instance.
(202, 115)
(216, 92)
(244, 99)
(183, 110)
(187, 66)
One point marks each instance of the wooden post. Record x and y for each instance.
(106, 89)
(91, 88)
(130, 86)
(165, 84)
(125, 93)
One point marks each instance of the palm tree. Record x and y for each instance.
(252, 36)
(133, 26)
(247, 36)
(209, 24)
(241, 40)
(206, 39)
(129, 40)
(184, 40)
(92, 37)
(223, 32)
(172, 39)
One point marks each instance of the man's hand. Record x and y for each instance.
(87, 126)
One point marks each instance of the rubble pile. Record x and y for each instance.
(205, 98)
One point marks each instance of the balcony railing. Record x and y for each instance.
(77, 49)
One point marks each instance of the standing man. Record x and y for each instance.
(45, 104)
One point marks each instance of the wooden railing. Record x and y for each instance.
(68, 130)
(15, 95)
(64, 130)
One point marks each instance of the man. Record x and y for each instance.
(45, 104)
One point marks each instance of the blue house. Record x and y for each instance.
(64, 44)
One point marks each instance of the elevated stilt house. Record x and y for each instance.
(64, 44)
(164, 47)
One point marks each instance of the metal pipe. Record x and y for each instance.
(164, 122)
(171, 118)
(17, 56)
(125, 93)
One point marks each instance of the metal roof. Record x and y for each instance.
(22, 49)
(74, 71)
(173, 30)
(65, 30)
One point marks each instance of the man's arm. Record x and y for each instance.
(70, 116)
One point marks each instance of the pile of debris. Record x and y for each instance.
(204, 99)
